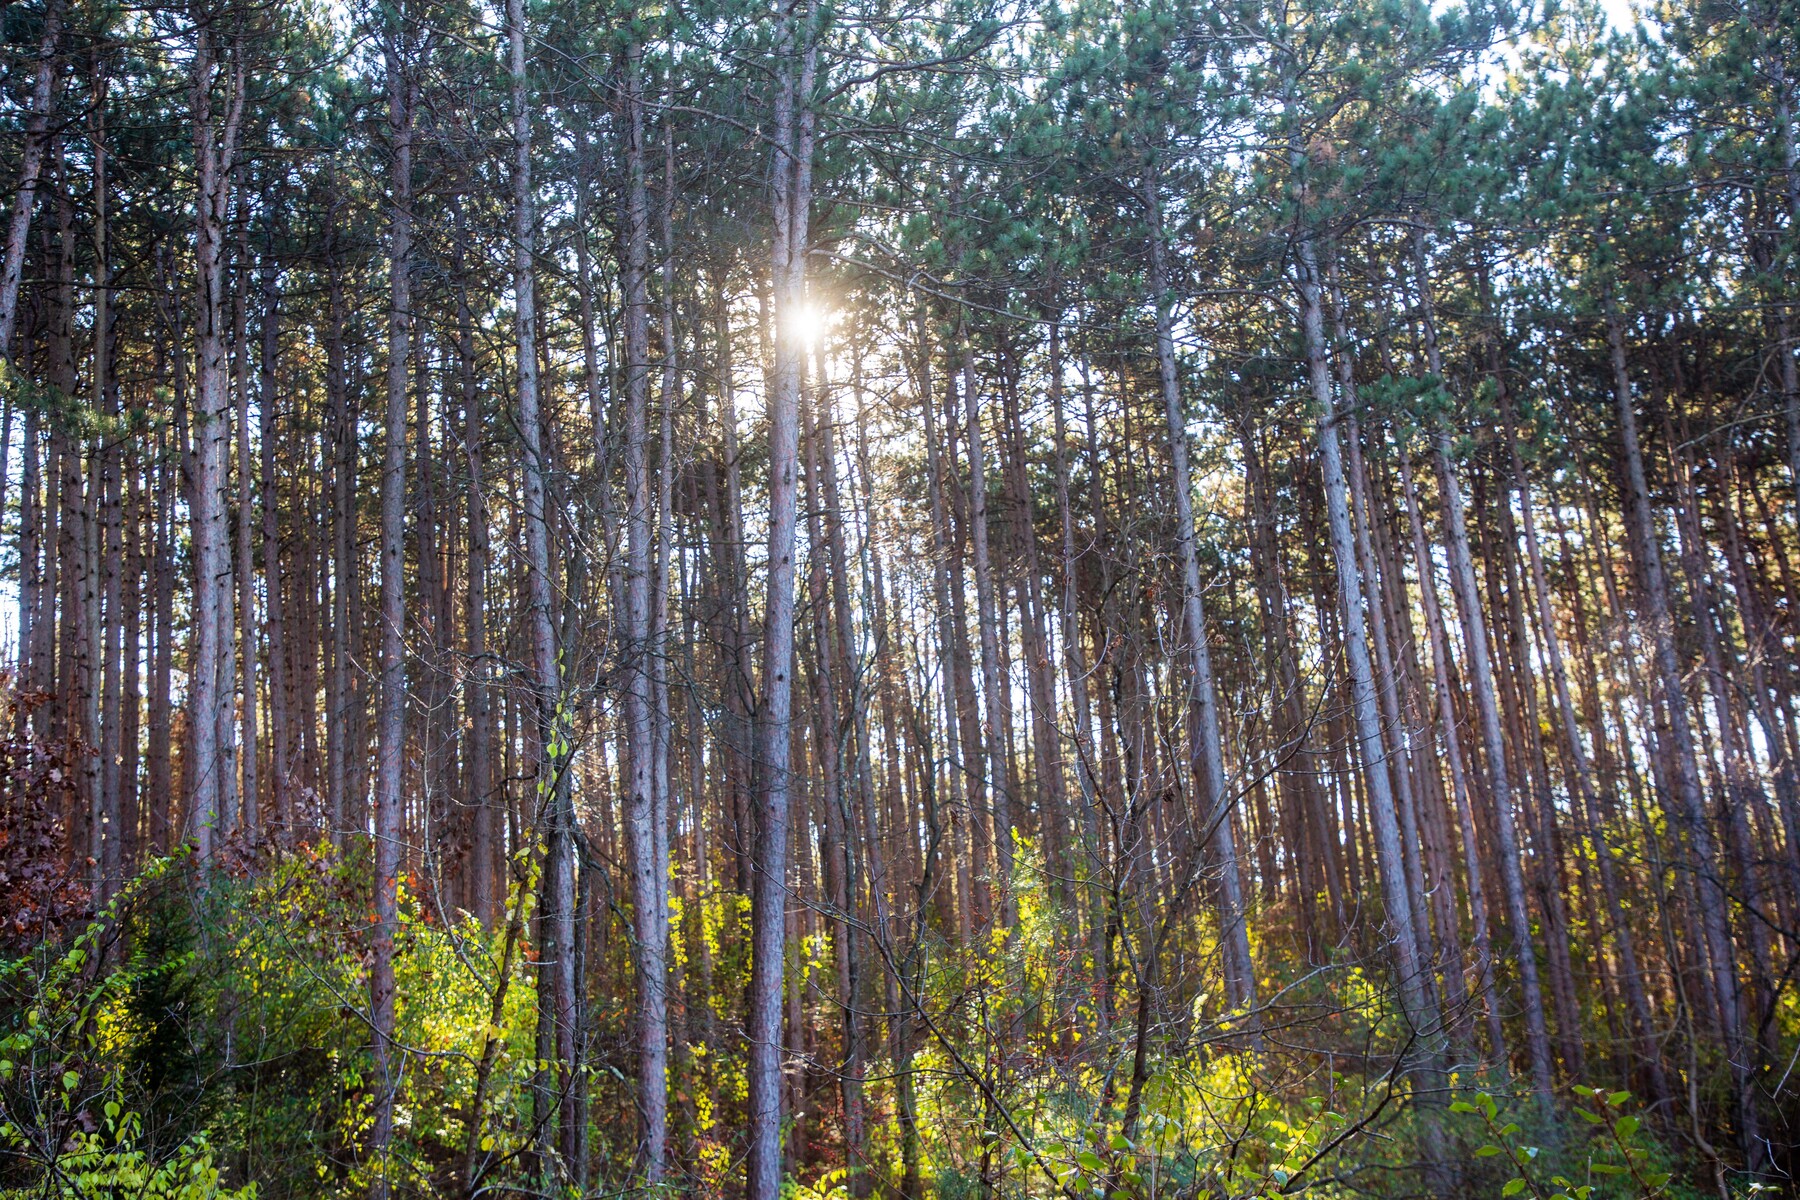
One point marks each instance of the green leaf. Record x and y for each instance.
(1090, 1162)
(1487, 1151)
(70, 1079)
(1462, 1106)
(1618, 1097)
(1624, 1127)
(1592, 1118)
(1120, 1142)
(1514, 1186)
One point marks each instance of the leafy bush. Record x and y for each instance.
(113, 1163)
(213, 1041)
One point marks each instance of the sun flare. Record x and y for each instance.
(810, 322)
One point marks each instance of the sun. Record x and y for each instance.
(809, 322)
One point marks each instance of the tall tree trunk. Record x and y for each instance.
(31, 162)
(159, 776)
(281, 730)
(483, 896)
(31, 566)
(111, 631)
(342, 575)
(556, 902)
(740, 700)
(1386, 681)
(1086, 860)
(993, 730)
(130, 705)
(245, 563)
(1207, 756)
(649, 888)
(663, 569)
(391, 733)
(215, 154)
(836, 854)
(796, 60)
(970, 738)
(1788, 370)
(1402, 935)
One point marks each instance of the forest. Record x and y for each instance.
(845, 599)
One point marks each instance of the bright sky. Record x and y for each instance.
(1622, 13)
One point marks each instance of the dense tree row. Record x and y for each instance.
(908, 599)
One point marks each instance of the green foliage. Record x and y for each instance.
(194, 1041)
(226, 1047)
(59, 1053)
(1615, 1160)
(112, 1163)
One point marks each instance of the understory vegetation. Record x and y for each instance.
(185, 1043)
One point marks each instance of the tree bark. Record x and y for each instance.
(556, 901)
(391, 732)
(1206, 755)
(110, 825)
(31, 162)
(797, 57)
(1402, 935)
(993, 729)
(649, 888)
(215, 154)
